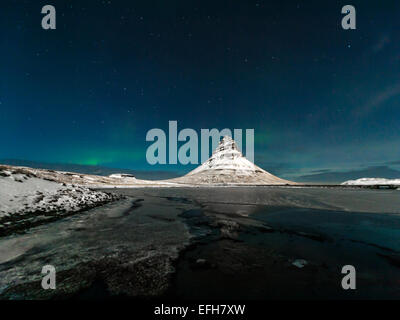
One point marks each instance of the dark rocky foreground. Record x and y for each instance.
(214, 243)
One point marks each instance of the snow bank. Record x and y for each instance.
(122, 176)
(26, 199)
(372, 182)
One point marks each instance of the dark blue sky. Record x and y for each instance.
(318, 97)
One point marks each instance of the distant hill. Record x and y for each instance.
(339, 177)
(95, 170)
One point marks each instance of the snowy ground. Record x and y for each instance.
(372, 182)
(26, 199)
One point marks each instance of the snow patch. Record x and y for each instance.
(122, 176)
(27, 199)
(371, 182)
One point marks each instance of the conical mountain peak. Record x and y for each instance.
(227, 165)
(226, 143)
(227, 148)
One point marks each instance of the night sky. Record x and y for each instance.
(319, 97)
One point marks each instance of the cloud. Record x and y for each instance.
(378, 100)
(320, 171)
(340, 176)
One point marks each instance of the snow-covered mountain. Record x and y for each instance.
(372, 182)
(227, 165)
